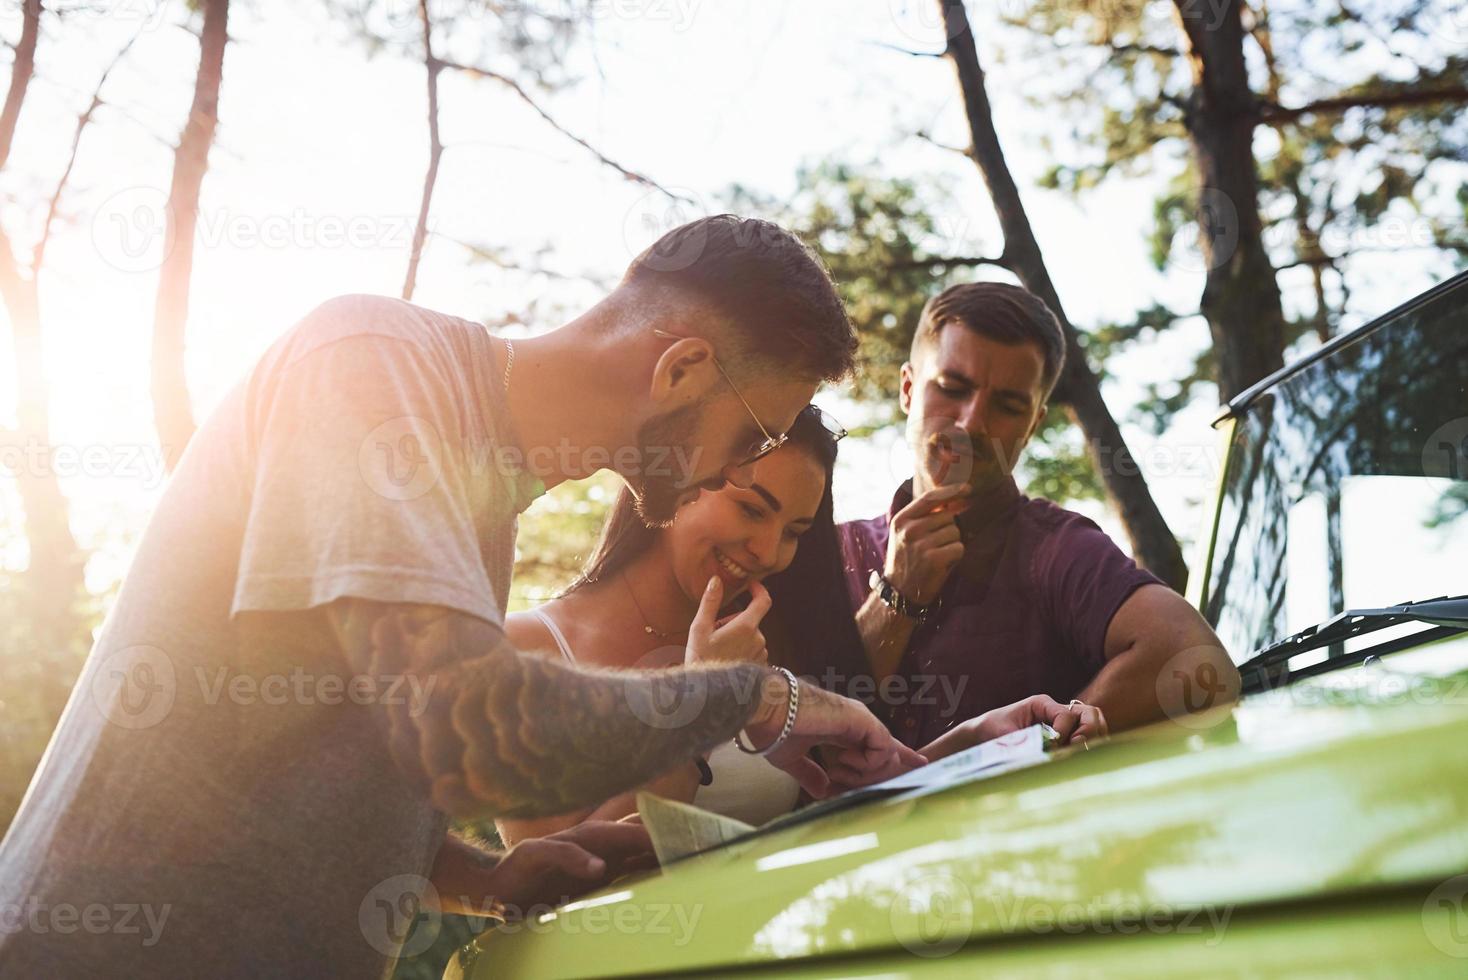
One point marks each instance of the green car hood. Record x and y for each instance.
(1344, 788)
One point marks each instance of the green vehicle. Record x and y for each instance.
(1317, 827)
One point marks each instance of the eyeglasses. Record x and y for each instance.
(768, 443)
(834, 429)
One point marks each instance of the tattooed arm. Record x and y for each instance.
(501, 733)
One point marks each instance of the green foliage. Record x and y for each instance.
(1450, 507)
(886, 251)
(1375, 168)
(556, 537)
(35, 681)
(880, 239)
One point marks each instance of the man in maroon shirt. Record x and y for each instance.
(975, 596)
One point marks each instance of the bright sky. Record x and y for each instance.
(316, 175)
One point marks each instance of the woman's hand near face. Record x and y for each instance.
(1073, 722)
(732, 639)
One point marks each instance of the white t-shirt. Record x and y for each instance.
(246, 809)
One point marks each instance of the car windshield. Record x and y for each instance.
(1347, 482)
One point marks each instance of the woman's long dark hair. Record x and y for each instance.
(811, 627)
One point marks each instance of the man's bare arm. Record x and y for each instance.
(885, 634)
(1162, 660)
(501, 733)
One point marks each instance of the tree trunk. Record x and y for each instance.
(1241, 300)
(171, 409)
(53, 576)
(1152, 542)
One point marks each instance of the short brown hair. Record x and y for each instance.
(772, 288)
(1004, 313)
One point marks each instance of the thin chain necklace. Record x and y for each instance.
(509, 362)
(646, 626)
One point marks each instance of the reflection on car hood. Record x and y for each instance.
(1342, 783)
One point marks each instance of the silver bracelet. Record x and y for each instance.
(790, 711)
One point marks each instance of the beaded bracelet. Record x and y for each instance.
(790, 711)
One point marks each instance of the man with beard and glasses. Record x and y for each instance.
(305, 674)
(970, 591)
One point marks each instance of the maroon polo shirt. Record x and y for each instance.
(1024, 612)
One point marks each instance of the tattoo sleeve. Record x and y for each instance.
(497, 733)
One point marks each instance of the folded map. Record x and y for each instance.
(679, 830)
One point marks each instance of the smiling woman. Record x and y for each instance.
(642, 588)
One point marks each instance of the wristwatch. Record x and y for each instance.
(896, 601)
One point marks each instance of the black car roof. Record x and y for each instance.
(1240, 403)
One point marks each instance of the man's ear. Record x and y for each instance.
(1039, 421)
(683, 372)
(904, 392)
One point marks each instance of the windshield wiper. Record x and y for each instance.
(1269, 666)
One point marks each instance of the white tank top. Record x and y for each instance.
(745, 786)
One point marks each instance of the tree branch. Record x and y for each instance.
(1143, 49)
(966, 152)
(1272, 113)
(495, 258)
(1324, 259)
(435, 153)
(907, 51)
(514, 86)
(952, 262)
(39, 253)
